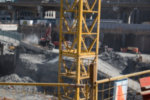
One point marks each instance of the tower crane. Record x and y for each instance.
(78, 62)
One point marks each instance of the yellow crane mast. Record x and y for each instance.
(79, 44)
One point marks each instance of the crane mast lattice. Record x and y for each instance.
(79, 44)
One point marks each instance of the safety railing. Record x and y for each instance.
(126, 86)
(32, 91)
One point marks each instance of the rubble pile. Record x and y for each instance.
(114, 59)
(39, 67)
(15, 78)
(21, 92)
(125, 64)
(34, 67)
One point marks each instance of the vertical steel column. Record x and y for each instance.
(79, 47)
(60, 48)
(97, 48)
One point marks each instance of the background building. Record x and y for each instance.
(124, 22)
(126, 11)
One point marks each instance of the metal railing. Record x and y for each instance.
(107, 87)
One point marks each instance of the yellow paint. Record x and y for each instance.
(79, 51)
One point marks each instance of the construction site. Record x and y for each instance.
(74, 50)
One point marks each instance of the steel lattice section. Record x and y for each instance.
(79, 44)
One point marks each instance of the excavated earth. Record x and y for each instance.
(125, 64)
(32, 67)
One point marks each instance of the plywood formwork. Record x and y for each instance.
(79, 43)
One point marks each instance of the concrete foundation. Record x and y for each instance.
(7, 64)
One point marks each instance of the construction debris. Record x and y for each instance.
(114, 59)
(125, 64)
(15, 78)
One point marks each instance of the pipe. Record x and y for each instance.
(45, 84)
(123, 77)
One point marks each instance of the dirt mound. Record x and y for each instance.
(15, 78)
(114, 59)
(126, 65)
(39, 67)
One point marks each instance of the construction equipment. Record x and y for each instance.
(83, 56)
(81, 71)
(133, 50)
(46, 41)
(130, 49)
(11, 47)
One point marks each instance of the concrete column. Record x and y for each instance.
(40, 12)
(13, 16)
(123, 40)
(124, 16)
(11, 11)
(18, 14)
(137, 16)
(143, 41)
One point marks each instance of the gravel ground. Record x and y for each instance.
(13, 95)
(40, 68)
(21, 92)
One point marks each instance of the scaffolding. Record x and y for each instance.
(78, 59)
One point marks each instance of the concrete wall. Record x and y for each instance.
(8, 27)
(117, 41)
(30, 30)
(140, 41)
(113, 41)
(7, 64)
